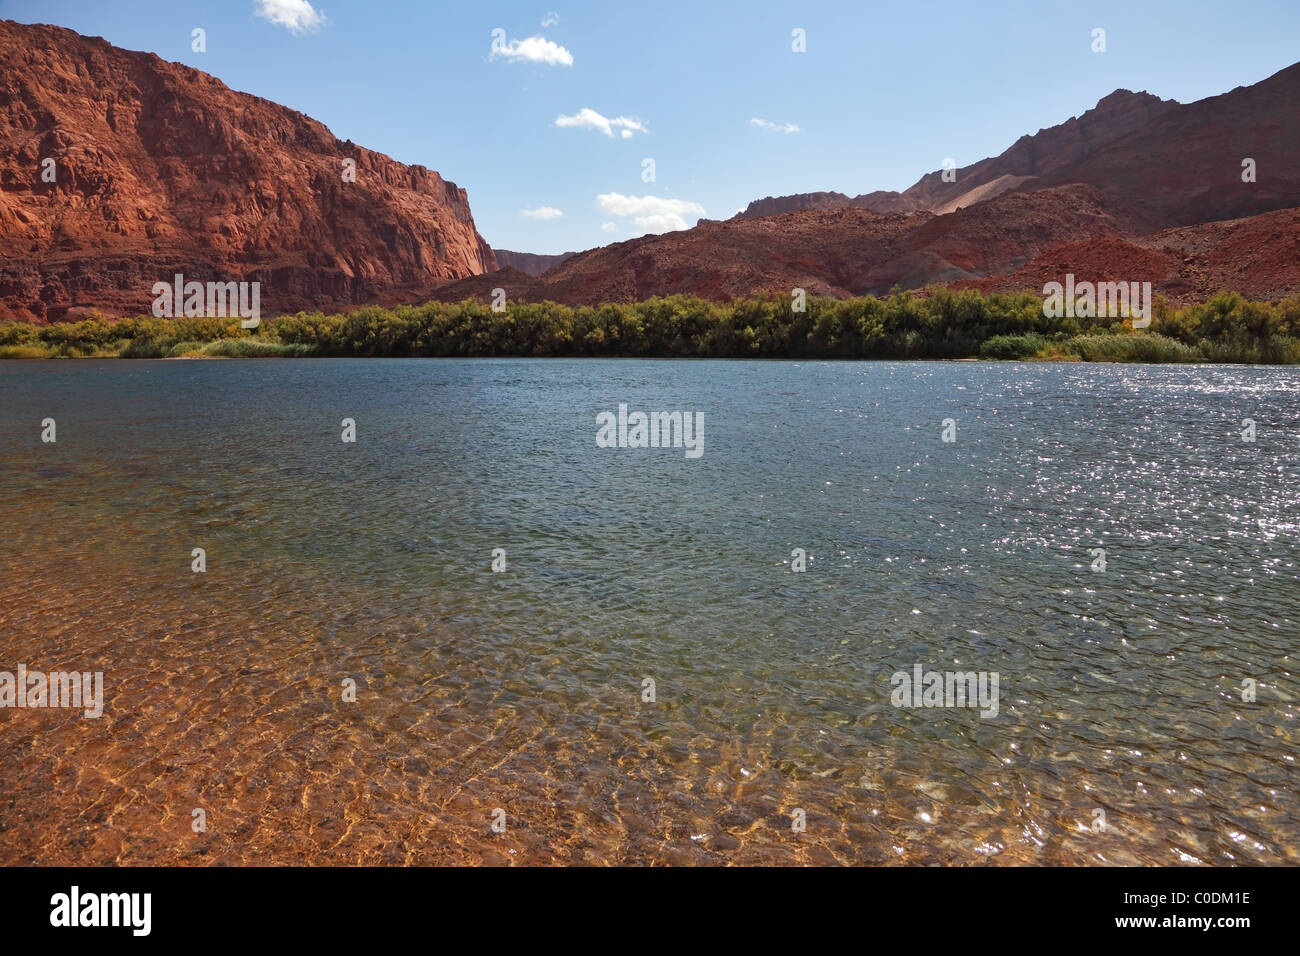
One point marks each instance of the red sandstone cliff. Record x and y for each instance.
(161, 168)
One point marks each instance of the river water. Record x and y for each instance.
(650, 679)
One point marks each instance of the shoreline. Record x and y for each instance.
(974, 359)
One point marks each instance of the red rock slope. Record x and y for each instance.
(837, 252)
(1258, 256)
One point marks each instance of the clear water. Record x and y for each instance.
(1120, 690)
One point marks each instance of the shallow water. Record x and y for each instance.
(1120, 690)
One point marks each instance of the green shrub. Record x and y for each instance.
(1012, 346)
(1138, 347)
(24, 352)
(142, 348)
(255, 348)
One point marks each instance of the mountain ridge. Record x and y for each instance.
(1116, 175)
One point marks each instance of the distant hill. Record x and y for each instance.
(528, 263)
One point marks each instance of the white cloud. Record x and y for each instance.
(542, 212)
(533, 50)
(590, 118)
(663, 222)
(296, 15)
(606, 227)
(650, 213)
(773, 127)
(550, 20)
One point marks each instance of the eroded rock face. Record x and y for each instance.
(160, 168)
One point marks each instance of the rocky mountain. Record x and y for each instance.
(159, 168)
(1176, 164)
(1117, 178)
(1049, 151)
(1185, 166)
(1049, 156)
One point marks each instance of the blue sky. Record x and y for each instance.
(884, 92)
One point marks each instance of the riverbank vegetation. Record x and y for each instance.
(937, 324)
